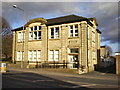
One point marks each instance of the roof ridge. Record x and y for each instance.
(65, 16)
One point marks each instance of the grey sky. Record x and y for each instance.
(106, 14)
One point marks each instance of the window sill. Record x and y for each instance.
(21, 42)
(73, 37)
(34, 40)
(54, 39)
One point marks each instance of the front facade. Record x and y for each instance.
(70, 40)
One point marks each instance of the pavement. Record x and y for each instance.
(91, 75)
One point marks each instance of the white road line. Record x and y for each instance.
(88, 84)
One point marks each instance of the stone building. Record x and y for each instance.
(117, 54)
(71, 40)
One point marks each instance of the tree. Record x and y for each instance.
(108, 50)
(6, 39)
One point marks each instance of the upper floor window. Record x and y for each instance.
(21, 36)
(35, 33)
(73, 30)
(54, 33)
(93, 36)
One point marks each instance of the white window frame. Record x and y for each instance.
(56, 34)
(34, 55)
(53, 56)
(38, 55)
(19, 55)
(32, 33)
(20, 36)
(73, 34)
(30, 55)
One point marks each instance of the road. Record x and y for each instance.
(17, 79)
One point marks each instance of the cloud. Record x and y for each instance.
(106, 14)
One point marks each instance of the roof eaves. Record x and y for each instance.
(98, 31)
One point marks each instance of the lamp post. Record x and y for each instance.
(15, 6)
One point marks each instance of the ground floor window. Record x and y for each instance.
(20, 56)
(53, 55)
(34, 55)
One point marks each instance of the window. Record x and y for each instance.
(19, 55)
(54, 55)
(73, 30)
(35, 27)
(76, 30)
(51, 55)
(74, 50)
(35, 33)
(54, 33)
(34, 55)
(21, 36)
(38, 55)
(93, 36)
(30, 55)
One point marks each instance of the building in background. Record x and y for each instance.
(117, 54)
(71, 41)
(106, 59)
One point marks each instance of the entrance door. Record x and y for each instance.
(73, 59)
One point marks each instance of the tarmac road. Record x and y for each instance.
(18, 79)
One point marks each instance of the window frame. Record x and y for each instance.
(20, 37)
(72, 31)
(53, 58)
(34, 55)
(35, 33)
(56, 32)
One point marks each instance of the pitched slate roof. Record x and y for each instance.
(63, 19)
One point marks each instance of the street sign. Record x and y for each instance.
(3, 67)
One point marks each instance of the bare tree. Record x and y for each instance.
(6, 39)
(108, 50)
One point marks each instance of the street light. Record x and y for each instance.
(15, 6)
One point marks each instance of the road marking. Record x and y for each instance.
(87, 85)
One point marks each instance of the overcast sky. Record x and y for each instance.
(106, 14)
